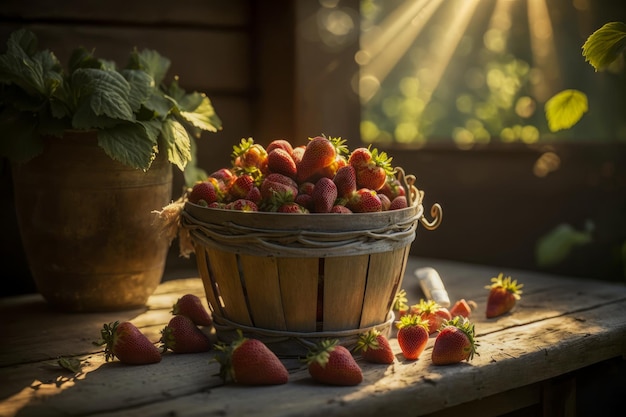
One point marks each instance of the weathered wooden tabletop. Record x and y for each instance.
(560, 325)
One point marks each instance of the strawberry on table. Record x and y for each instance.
(503, 295)
(331, 363)
(125, 342)
(412, 335)
(455, 342)
(181, 335)
(375, 348)
(191, 306)
(432, 312)
(250, 362)
(400, 303)
(462, 308)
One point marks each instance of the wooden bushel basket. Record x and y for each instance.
(292, 280)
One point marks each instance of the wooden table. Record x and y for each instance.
(530, 360)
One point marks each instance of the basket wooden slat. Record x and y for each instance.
(299, 283)
(262, 285)
(344, 286)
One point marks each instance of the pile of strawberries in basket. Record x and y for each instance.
(322, 176)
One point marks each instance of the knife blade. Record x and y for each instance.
(432, 285)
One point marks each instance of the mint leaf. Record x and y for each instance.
(203, 116)
(565, 109)
(177, 143)
(605, 44)
(129, 144)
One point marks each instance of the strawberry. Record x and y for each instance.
(398, 203)
(324, 195)
(280, 161)
(462, 308)
(250, 362)
(126, 342)
(242, 204)
(279, 144)
(373, 168)
(375, 347)
(432, 312)
(225, 175)
(191, 306)
(292, 207)
(345, 180)
(503, 295)
(455, 342)
(392, 188)
(305, 200)
(364, 200)
(331, 363)
(338, 208)
(203, 193)
(277, 189)
(181, 335)
(254, 195)
(320, 152)
(297, 154)
(241, 186)
(384, 202)
(412, 335)
(249, 156)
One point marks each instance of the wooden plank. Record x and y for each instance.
(232, 297)
(384, 273)
(344, 289)
(263, 288)
(298, 282)
(205, 60)
(155, 12)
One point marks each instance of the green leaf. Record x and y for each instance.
(159, 106)
(565, 109)
(100, 93)
(554, 247)
(604, 45)
(151, 62)
(192, 173)
(177, 143)
(141, 87)
(129, 144)
(203, 116)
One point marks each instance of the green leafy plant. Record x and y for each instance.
(133, 111)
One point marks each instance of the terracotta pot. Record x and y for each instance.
(86, 225)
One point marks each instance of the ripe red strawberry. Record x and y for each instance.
(462, 308)
(412, 335)
(338, 208)
(250, 362)
(455, 342)
(432, 312)
(125, 342)
(225, 175)
(297, 154)
(292, 207)
(384, 202)
(373, 168)
(320, 152)
(364, 200)
(242, 204)
(181, 335)
(398, 203)
(191, 306)
(203, 193)
(277, 186)
(392, 188)
(241, 186)
(331, 363)
(280, 161)
(345, 180)
(503, 295)
(254, 195)
(324, 195)
(280, 144)
(375, 348)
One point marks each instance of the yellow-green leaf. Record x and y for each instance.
(605, 44)
(565, 109)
